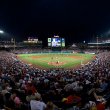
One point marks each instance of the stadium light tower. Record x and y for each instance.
(97, 44)
(14, 43)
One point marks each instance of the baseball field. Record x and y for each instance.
(56, 60)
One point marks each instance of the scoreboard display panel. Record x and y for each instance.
(56, 42)
(63, 42)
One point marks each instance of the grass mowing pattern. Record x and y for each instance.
(70, 60)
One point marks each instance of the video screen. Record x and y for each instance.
(56, 42)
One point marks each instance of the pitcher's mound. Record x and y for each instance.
(56, 63)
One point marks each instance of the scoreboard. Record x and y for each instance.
(56, 42)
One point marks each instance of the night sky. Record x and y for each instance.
(76, 20)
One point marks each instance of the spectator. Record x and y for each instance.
(37, 104)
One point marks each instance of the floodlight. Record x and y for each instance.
(1, 31)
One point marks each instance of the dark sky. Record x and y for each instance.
(76, 20)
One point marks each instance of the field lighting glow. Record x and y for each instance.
(1, 32)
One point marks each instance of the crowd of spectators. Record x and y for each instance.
(30, 50)
(24, 87)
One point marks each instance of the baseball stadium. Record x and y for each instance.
(68, 77)
(54, 55)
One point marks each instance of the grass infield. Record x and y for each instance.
(53, 60)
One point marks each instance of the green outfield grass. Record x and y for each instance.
(59, 60)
